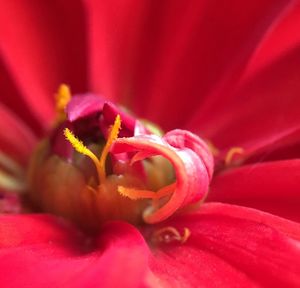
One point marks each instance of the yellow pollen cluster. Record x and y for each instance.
(81, 148)
(62, 97)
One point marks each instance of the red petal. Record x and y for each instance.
(113, 28)
(11, 97)
(262, 111)
(42, 251)
(285, 226)
(279, 146)
(191, 266)
(284, 146)
(231, 247)
(16, 139)
(277, 43)
(41, 50)
(154, 53)
(272, 187)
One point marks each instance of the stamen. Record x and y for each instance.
(135, 194)
(113, 135)
(170, 234)
(63, 97)
(81, 148)
(231, 152)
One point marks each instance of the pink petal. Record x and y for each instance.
(40, 50)
(128, 122)
(230, 247)
(192, 176)
(153, 53)
(84, 105)
(42, 251)
(271, 186)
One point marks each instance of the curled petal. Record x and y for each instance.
(192, 176)
(185, 139)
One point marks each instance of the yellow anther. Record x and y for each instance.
(81, 148)
(63, 97)
(112, 136)
(231, 152)
(186, 235)
(135, 194)
(170, 234)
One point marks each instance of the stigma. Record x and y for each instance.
(100, 163)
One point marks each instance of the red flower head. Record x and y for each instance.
(92, 193)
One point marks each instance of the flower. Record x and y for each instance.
(229, 73)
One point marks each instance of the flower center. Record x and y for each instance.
(100, 164)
